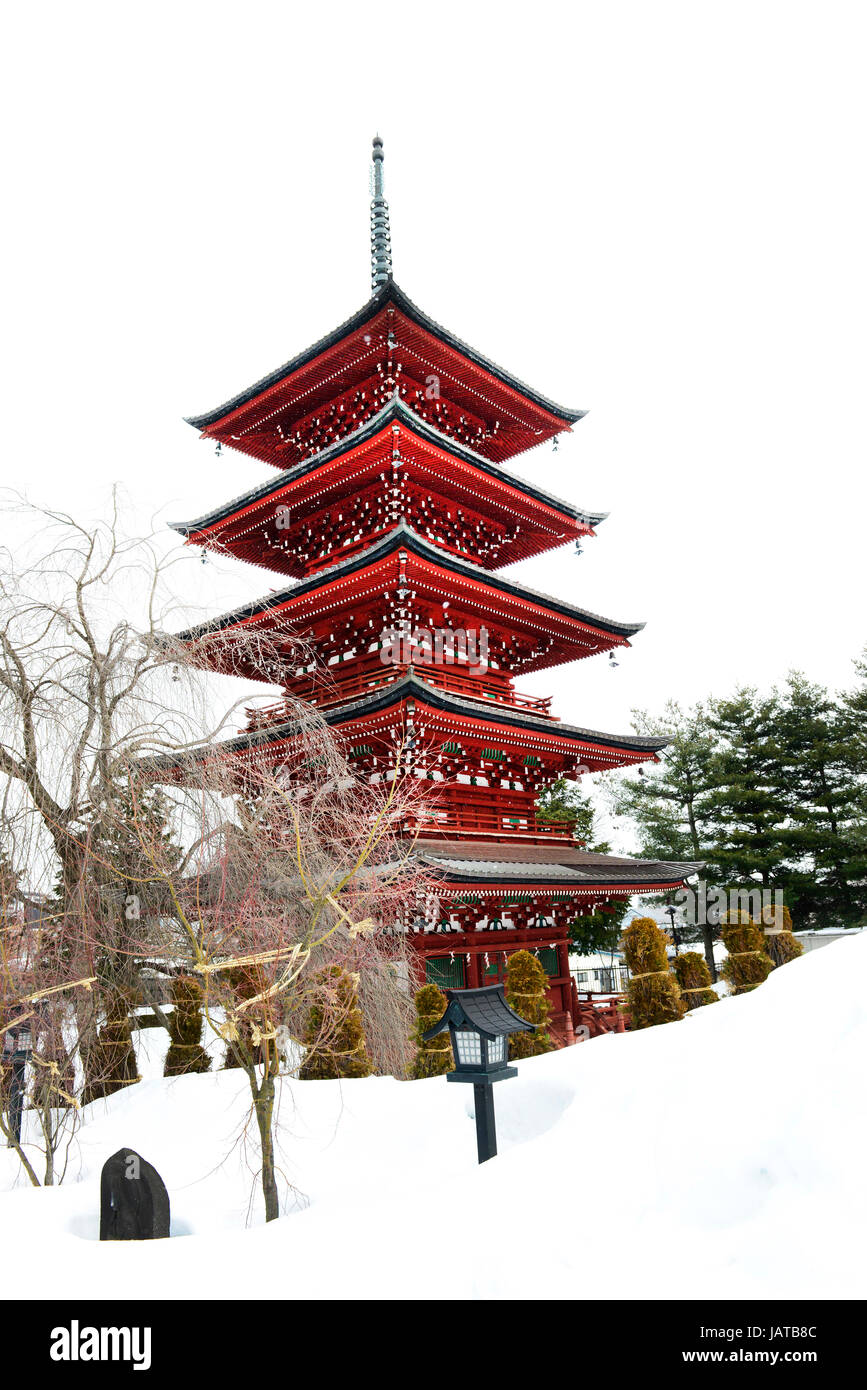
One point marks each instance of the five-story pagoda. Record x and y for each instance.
(392, 513)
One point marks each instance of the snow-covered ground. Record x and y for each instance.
(717, 1157)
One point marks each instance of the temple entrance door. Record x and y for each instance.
(494, 973)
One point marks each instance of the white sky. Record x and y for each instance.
(654, 211)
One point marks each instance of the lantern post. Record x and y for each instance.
(479, 1023)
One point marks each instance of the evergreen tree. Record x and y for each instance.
(670, 804)
(823, 792)
(527, 993)
(334, 1035)
(745, 810)
(652, 993)
(563, 800)
(597, 929)
(432, 1058)
(126, 848)
(854, 706)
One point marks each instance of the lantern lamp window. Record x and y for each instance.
(469, 1047)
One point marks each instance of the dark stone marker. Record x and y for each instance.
(134, 1203)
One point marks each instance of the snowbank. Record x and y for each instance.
(717, 1157)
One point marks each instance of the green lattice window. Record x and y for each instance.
(493, 755)
(549, 960)
(445, 972)
(361, 750)
(531, 760)
(452, 748)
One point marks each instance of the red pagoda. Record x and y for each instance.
(392, 513)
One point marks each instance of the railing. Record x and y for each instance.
(332, 690)
(603, 980)
(469, 818)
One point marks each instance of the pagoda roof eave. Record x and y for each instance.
(573, 868)
(393, 409)
(411, 687)
(404, 536)
(390, 292)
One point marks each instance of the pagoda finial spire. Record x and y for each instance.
(380, 234)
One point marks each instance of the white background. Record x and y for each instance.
(652, 211)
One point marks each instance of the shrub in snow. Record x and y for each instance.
(526, 992)
(748, 963)
(186, 1053)
(693, 978)
(782, 946)
(109, 1061)
(432, 1058)
(653, 996)
(334, 1035)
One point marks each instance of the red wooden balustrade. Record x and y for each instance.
(480, 818)
(335, 690)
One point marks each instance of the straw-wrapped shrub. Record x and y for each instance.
(748, 963)
(781, 945)
(334, 1035)
(109, 1061)
(432, 1058)
(527, 993)
(186, 1053)
(693, 979)
(653, 995)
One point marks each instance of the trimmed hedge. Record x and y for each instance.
(693, 979)
(432, 1058)
(526, 992)
(186, 1053)
(652, 996)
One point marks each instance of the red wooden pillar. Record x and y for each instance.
(562, 948)
(474, 975)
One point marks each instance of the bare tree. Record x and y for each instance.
(252, 875)
(312, 873)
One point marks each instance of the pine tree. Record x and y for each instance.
(186, 1053)
(334, 1035)
(563, 800)
(432, 1058)
(670, 805)
(126, 899)
(746, 811)
(527, 993)
(652, 994)
(597, 929)
(823, 787)
(854, 706)
(693, 980)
